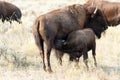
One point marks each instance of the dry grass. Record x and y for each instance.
(19, 56)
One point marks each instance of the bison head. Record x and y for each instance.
(96, 21)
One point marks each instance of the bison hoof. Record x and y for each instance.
(95, 64)
(44, 69)
(60, 63)
(50, 70)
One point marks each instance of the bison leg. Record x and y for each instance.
(85, 57)
(2, 17)
(40, 45)
(77, 63)
(59, 56)
(41, 48)
(49, 48)
(42, 55)
(71, 58)
(94, 54)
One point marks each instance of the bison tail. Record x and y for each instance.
(37, 36)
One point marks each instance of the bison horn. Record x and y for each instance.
(95, 10)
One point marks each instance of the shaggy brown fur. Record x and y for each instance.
(111, 10)
(9, 12)
(78, 43)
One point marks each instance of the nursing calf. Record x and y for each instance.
(78, 43)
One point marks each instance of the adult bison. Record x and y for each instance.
(78, 43)
(59, 23)
(111, 10)
(9, 12)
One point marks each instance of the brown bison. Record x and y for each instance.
(78, 43)
(95, 24)
(59, 23)
(111, 10)
(9, 12)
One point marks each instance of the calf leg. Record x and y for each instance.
(77, 59)
(85, 57)
(59, 56)
(71, 58)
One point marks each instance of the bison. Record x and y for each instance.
(9, 12)
(57, 24)
(95, 24)
(111, 10)
(78, 43)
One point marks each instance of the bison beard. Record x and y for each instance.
(9, 12)
(59, 23)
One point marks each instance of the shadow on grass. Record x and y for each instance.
(109, 69)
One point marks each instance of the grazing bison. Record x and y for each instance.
(9, 12)
(59, 23)
(111, 10)
(78, 43)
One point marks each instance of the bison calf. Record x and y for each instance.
(79, 43)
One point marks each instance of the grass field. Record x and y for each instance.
(19, 56)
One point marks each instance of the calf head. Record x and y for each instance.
(96, 21)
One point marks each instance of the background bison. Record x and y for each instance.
(59, 23)
(9, 12)
(111, 10)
